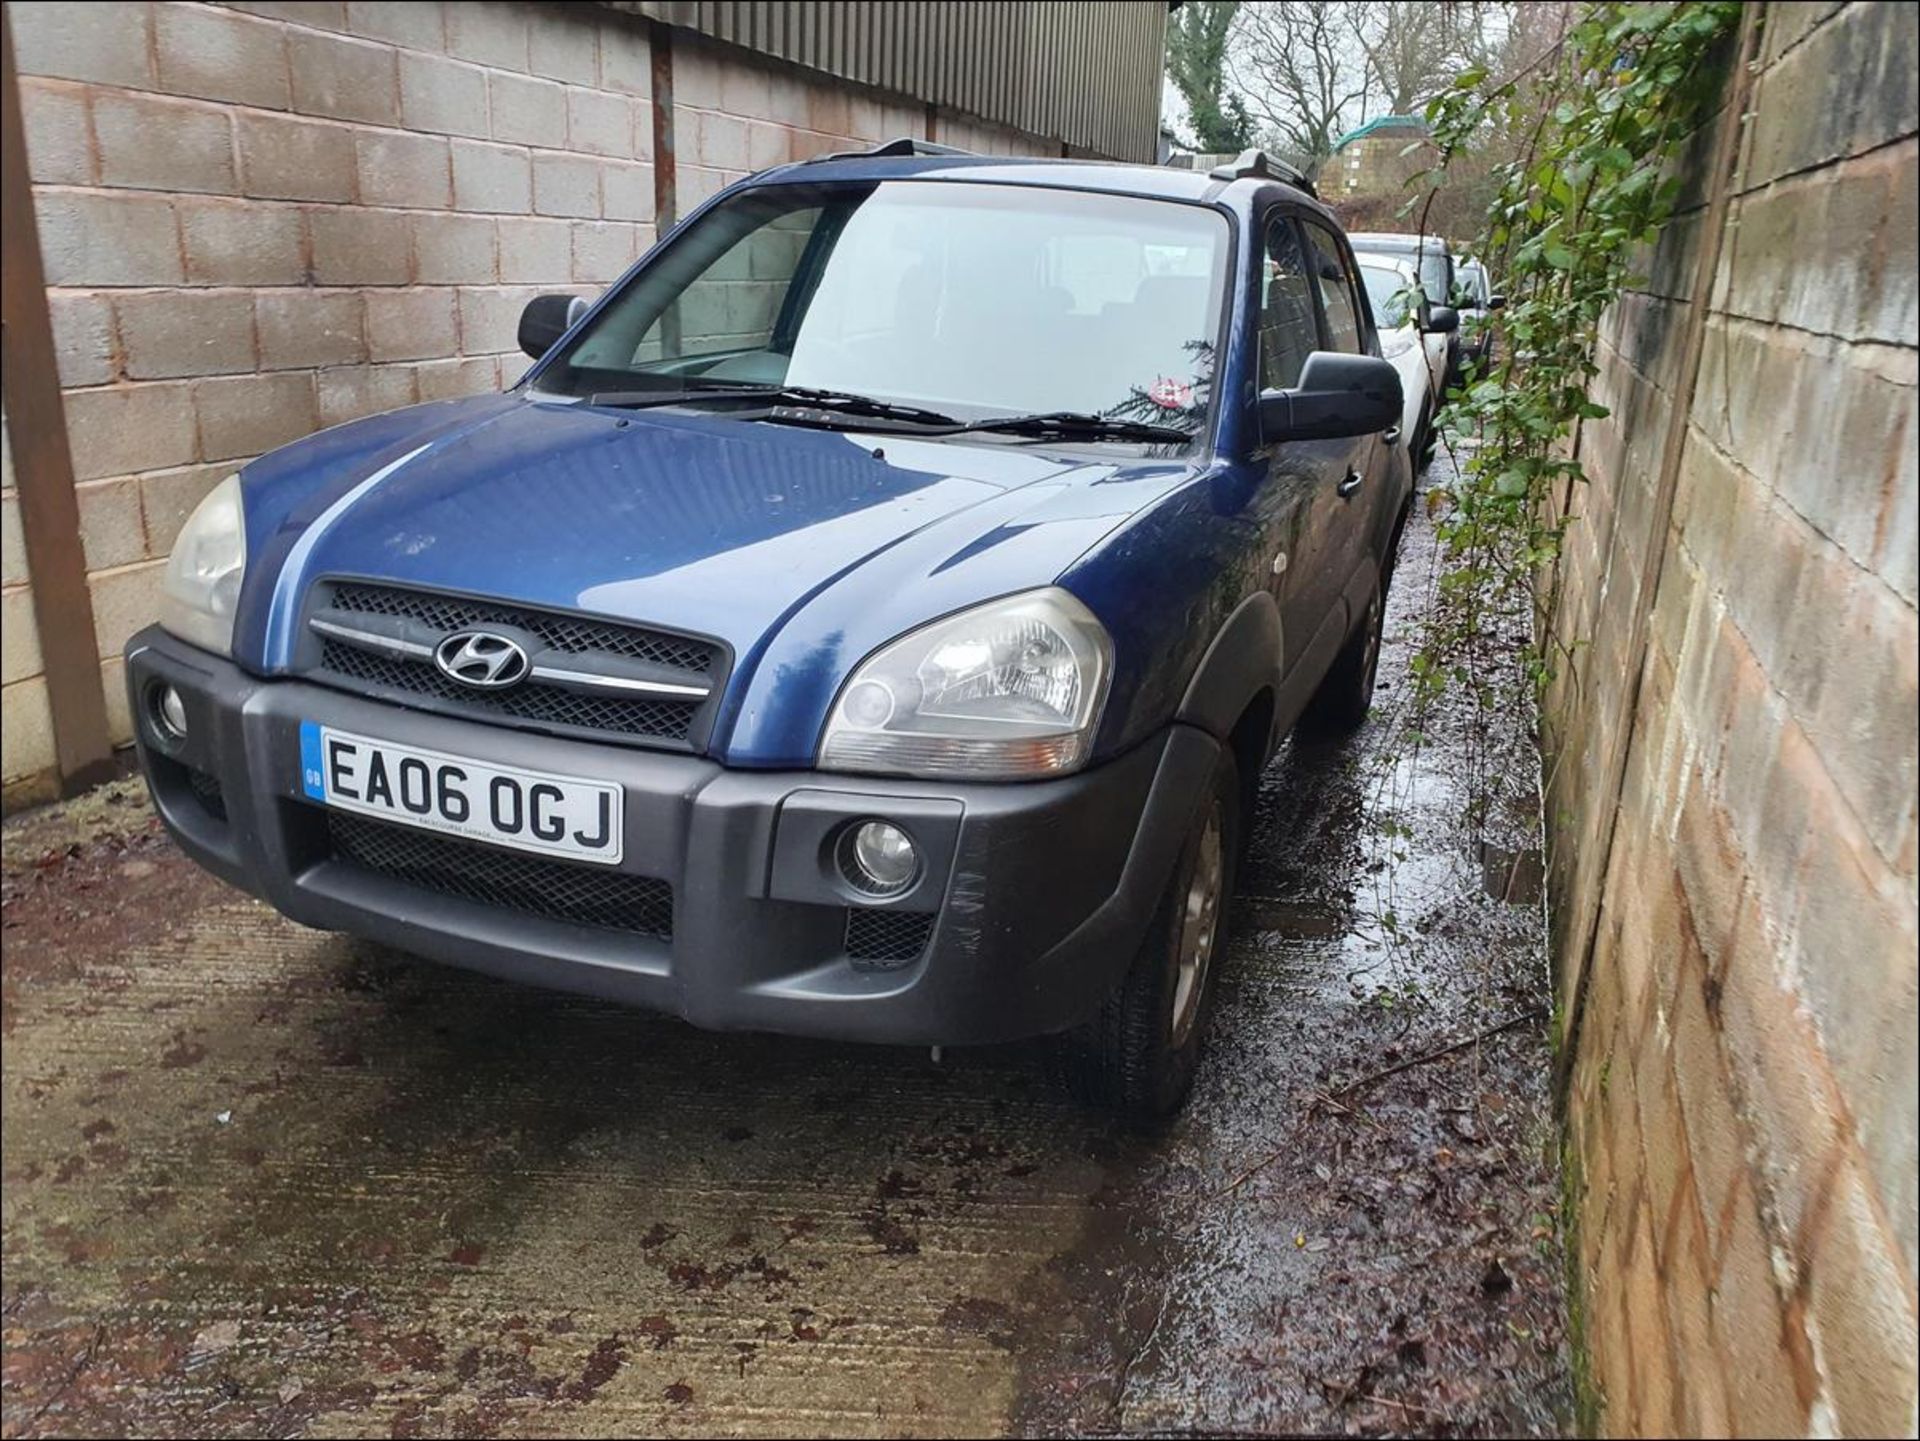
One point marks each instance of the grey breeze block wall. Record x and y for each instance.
(262, 219)
(1743, 1060)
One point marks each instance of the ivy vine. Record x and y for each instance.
(1593, 127)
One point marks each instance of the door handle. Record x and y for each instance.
(1347, 487)
(1390, 435)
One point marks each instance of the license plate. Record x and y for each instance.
(501, 805)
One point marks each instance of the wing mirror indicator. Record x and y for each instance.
(1337, 395)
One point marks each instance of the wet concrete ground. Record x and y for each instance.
(260, 1180)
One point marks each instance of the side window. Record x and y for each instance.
(1344, 330)
(1288, 332)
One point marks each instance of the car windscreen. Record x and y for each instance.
(1391, 293)
(971, 298)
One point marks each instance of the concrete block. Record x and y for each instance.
(1863, 1315)
(565, 46)
(417, 24)
(602, 250)
(454, 249)
(565, 185)
(148, 143)
(490, 319)
(231, 242)
(343, 79)
(286, 159)
(488, 34)
(496, 179)
(626, 191)
(167, 334)
(301, 328)
(527, 111)
(106, 44)
(626, 56)
(58, 131)
(28, 726)
(349, 393)
(361, 247)
(112, 531)
(215, 54)
(693, 184)
(696, 75)
(721, 142)
(768, 145)
(746, 90)
(113, 686)
(124, 429)
(536, 252)
(450, 379)
(410, 325)
(125, 600)
(167, 498)
(1715, 1140)
(443, 96)
(1846, 90)
(1865, 728)
(322, 14)
(13, 549)
(243, 416)
(411, 171)
(599, 124)
(1762, 1394)
(82, 337)
(20, 657)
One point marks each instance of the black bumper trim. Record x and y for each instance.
(1038, 892)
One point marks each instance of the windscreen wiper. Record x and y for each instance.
(841, 401)
(1079, 424)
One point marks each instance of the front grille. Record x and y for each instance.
(532, 885)
(206, 789)
(886, 937)
(544, 705)
(562, 632)
(577, 640)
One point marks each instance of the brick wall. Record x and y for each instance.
(1743, 1081)
(260, 219)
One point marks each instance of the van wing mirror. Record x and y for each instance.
(1443, 318)
(1337, 395)
(546, 319)
(1495, 302)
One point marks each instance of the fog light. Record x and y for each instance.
(169, 714)
(878, 859)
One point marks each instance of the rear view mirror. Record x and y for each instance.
(1443, 318)
(1338, 395)
(546, 319)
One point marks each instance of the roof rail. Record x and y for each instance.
(905, 145)
(1258, 165)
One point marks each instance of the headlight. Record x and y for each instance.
(209, 559)
(1007, 690)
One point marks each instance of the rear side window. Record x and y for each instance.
(1344, 330)
(1288, 331)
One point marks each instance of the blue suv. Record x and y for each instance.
(866, 620)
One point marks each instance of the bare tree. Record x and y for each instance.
(1414, 48)
(1299, 71)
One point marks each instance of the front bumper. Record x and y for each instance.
(1031, 904)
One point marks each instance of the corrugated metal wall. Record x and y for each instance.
(1086, 72)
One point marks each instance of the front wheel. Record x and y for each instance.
(1138, 1055)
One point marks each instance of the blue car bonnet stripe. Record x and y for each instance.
(284, 616)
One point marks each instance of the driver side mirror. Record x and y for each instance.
(1337, 395)
(1494, 302)
(546, 319)
(1443, 318)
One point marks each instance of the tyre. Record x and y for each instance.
(1138, 1055)
(1345, 696)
